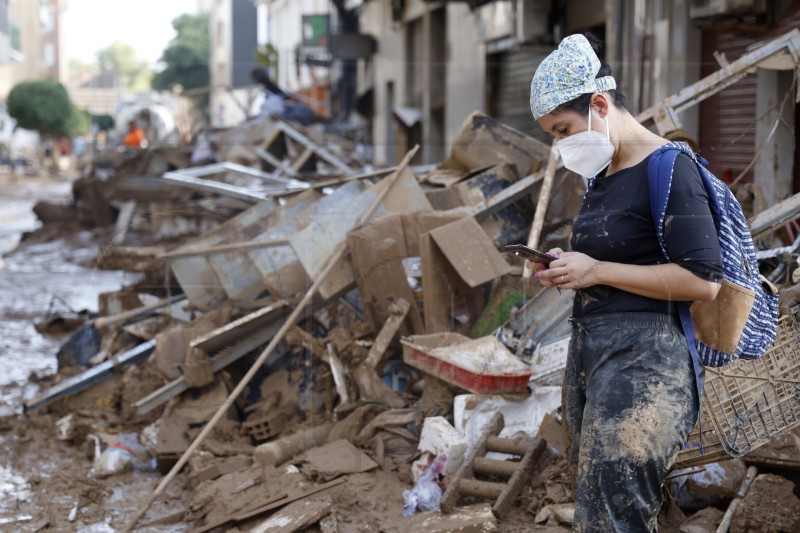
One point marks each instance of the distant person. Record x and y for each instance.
(277, 102)
(135, 138)
(63, 147)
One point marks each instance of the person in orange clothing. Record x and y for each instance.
(135, 139)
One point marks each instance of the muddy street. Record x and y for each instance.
(45, 483)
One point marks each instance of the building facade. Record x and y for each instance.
(438, 61)
(233, 31)
(31, 39)
(297, 32)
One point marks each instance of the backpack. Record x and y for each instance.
(742, 321)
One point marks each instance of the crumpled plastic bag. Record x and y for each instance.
(123, 453)
(427, 493)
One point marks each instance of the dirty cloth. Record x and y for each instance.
(630, 402)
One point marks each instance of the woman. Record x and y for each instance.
(630, 390)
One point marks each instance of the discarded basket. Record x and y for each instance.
(748, 402)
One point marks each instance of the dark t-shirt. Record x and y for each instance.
(615, 224)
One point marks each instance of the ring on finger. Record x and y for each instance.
(562, 278)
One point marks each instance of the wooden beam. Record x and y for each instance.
(776, 215)
(542, 203)
(224, 248)
(399, 310)
(508, 196)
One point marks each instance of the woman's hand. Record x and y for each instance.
(572, 270)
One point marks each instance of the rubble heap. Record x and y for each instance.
(313, 343)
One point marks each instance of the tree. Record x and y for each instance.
(104, 121)
(186, 56)
(43, 106)
(79, 123)
(120, 58)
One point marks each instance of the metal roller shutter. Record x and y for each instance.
(728, 119)
(787, 21)
(510, 82)
(415, 47)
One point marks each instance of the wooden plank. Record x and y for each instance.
(127, 317)
(527, 185)
(399, 310)
(252, 513)
(224, 248)
(776, 215)
(542, 203)
(295, 517)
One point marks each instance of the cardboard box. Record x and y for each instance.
(457, 259)
(377, 251)
(483, 141)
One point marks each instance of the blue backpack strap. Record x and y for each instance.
(659, 181)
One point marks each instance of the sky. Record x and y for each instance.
(146, 25)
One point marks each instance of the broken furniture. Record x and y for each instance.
(516, 473)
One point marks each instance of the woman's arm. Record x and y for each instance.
(663, 282)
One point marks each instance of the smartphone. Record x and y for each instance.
(529, 253)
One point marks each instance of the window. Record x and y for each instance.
(46, 18)
(15, 40)
(4, 17)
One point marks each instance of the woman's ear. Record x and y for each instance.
(601, 103)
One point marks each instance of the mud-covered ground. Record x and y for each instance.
(44, 480)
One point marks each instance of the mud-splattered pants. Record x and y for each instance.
(630, 402)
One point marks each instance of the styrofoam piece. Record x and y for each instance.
(437, 437)
(473, 412)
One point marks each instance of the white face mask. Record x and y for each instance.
(588, 152)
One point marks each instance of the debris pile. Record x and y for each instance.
(313, 342)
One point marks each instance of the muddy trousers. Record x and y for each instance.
(630, 403)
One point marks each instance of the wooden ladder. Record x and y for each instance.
(516, 473)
